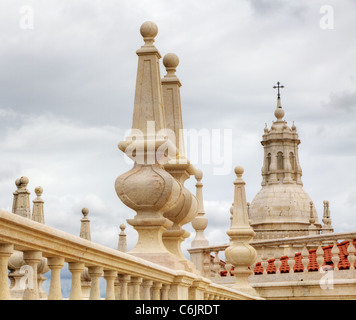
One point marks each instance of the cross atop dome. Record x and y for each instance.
(278, 87)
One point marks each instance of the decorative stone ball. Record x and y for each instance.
(239, 171)
(149, 29)
(198, 174)
(122, 226)
(170, 60)
(17, 182)
(85, 211)
(24, 181)
(279, 113)
(38, 191)
(200, 223)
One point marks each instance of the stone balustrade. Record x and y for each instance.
(288, 255)
(127, 276)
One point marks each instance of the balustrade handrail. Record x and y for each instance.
(27, 235)
(284, 241)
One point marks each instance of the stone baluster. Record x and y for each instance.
(165, 291)
(122, 245)
(156, 290)
(95, 273)
(124, 281)
(320, 256)
(305, 258)
(228, 267)
(146, 289)
(6, 251)
(110, 276)
(291, 261)
(32, 258)
(335, 256)
(240, 253)
(135, 284)
(76, 268)
(264, 260)
(216, 264)
(42, 268)
(55, 264)
(38, 209)
(351, 257)
(206, 264)
(277, 261)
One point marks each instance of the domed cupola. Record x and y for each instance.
(281, 208)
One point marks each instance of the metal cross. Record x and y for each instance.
(278, 87)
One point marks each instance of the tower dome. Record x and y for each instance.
(282, 208)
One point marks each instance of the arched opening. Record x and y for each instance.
(280, 164)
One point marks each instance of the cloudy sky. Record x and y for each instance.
(67, 89)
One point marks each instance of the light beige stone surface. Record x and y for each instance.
(282, 207)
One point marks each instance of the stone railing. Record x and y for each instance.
(127, 277)
(287, 255)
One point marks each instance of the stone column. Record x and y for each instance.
(55, 264)
(240, 253)
(156, 291)
(124, 280)
(110, 276)
(32, 259)
(76, 268)
(95, 274)
(146, 289)
(5, 252)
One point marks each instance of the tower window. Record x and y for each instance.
(280, 164)
(292, 160)
(268, 161)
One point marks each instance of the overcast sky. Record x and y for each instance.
(67, 90)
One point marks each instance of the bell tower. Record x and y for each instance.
(282, 208)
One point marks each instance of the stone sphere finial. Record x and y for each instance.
(148, 30)
(239, 171)
(85, 212)
(17, 182)
(170, 60)
(24, 181)
(38, 191)
(198, 174)
(122, 227)
(279, 113)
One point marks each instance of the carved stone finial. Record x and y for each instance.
(122, 245)
(200, 222)
(240, 253)
(85, 225)
(21, 203)
(38, 209)
(147, 188)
